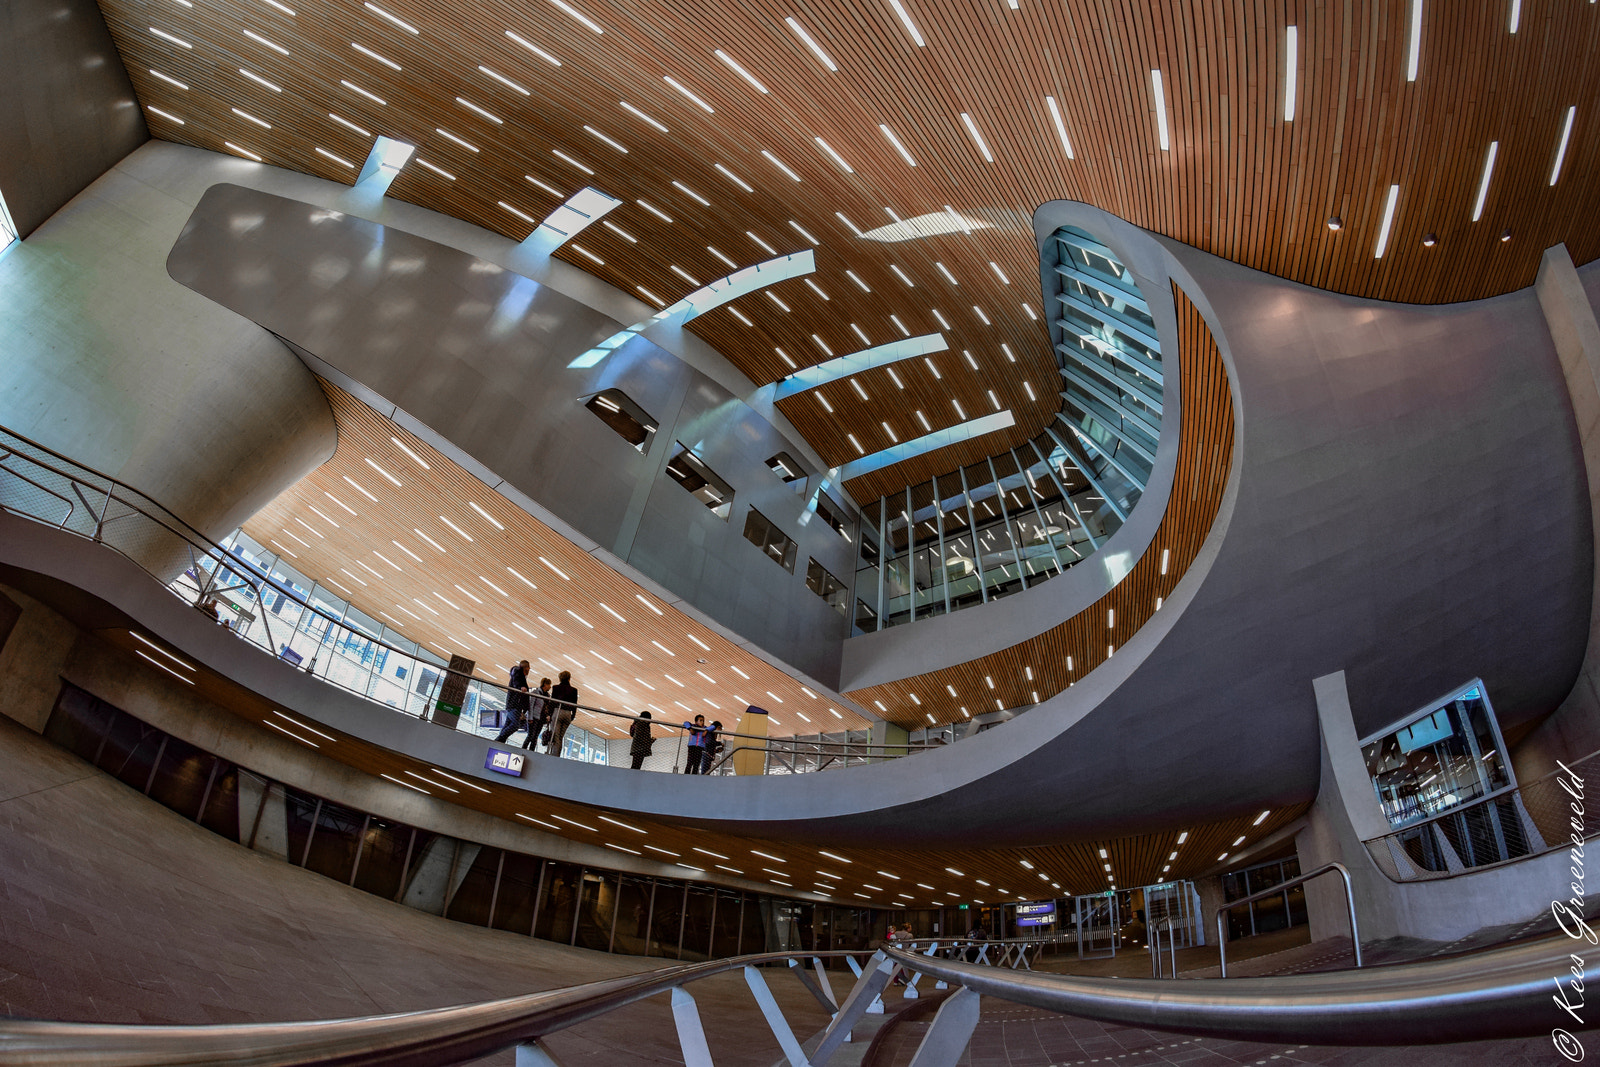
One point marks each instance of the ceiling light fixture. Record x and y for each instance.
(972, 128)
(535, 49)
(676, 84)
(1161, 109)
(734, 178)
(1561, 146)
(1388, 222)
(1483, 182)
(402, 23)
(905, 155)
(816, 49)
(739, 70)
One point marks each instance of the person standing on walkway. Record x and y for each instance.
(563, 709)
(697, 742)
(710, 746)
(538, 714)
(516, 703)
(642, 741)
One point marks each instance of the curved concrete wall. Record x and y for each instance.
(109, 361)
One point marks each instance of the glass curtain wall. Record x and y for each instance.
(1024, 515)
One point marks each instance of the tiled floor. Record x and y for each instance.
(1013, 1036)
(114, 909)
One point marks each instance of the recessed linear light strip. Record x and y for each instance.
(816, 49)
(370, 54)
(1561, 148)
(904, 154)
(972, 128)
(1061, 127)
(1483, 182)
(1388, 222)
(686, 91)
(402, 23)
(1161, 109)
(1290, 70)
(535, 49)
(733, 65)
(579, 15)
(256, 37)
(1414, 42)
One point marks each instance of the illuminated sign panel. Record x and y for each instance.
(505, 762)
(1037, 913)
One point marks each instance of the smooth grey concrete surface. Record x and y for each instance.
(477, 358)
(1573, 730)
(905, 651)
(117, 910)
(109, 361)
(70, 111)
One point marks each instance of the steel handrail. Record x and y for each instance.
(1500, 993)
(80, 475)
(408, 1039)
(1155, 949)
(1349, 899)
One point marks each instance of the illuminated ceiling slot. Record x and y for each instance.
(866, 359)
(585, 207)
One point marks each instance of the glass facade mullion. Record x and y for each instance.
(944, 568)
(1005, 517)
(972, 532)
(911, 556)
(1038, 513)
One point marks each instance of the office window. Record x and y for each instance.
(629, 420)
(833, 513)
(826, 586)
(690, 471)
(789, 469)
(779, 546)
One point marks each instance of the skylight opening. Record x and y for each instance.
(670, 80)
(535, 49)
(682, 188)
(972, 128)
(1061, 126)
(370, 54)
(1561, 147)
(733, 65)
(1161, 109)
(734, 178)
(816, 49)
(898, 147)
(579, 15)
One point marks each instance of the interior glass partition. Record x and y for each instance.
(1444, 756)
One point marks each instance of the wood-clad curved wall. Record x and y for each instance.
(1239, 180)
(1042, 666)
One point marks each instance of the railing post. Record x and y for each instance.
(952, 1029)
(534, 1054)
(863, 996)
(774, 1016)
(691, 1034)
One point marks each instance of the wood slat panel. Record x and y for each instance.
(614, 658)
(1042, 666)
(1238, 181)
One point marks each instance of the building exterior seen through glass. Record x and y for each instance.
(1445, 756)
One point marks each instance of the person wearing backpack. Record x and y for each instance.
(711, 747)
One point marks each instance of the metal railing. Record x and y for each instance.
(1502, 993)
(1514, 823)
(286, 622)
(1349, 899)
(1156, 970)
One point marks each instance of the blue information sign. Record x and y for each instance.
(503, 762)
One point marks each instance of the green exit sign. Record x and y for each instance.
(961, 907)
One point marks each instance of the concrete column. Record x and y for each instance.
(438, 873)
(1573, 730)
(264, 812)
(33, 654)
(887, 733)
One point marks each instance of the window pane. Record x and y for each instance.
(618, 411)
(689, 471)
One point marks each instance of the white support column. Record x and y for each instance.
(535, 1054)
(774, 1015)
(691, 1034)
(952, 1028)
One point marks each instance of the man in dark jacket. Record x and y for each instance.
(516, 702)
(563, 707)
(642, 741)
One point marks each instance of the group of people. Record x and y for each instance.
(545, 713)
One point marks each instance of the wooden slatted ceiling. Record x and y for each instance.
(1075, 865)
(490, 623)
(1042, 666)
(1238, 181)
